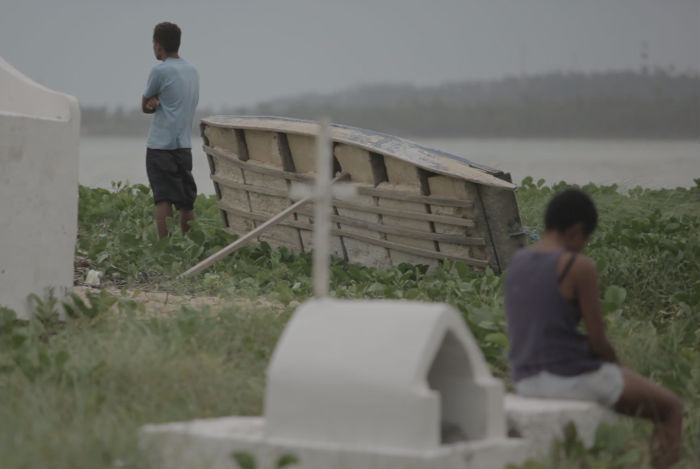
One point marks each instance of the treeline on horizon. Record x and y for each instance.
(621, 104)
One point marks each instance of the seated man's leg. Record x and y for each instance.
(644, 398)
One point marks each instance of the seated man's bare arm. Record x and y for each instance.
(585, 277)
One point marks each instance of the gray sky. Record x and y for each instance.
(248, 51)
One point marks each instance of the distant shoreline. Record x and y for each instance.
(534, 138)
(606, 105)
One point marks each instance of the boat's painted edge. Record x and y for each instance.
(396, 147)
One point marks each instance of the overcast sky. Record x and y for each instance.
(248, 51)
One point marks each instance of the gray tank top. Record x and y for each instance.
(542, 325)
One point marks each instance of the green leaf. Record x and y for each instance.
(497, 338)
(60, 359)
(244, 460)
(287, 460)
(614, 298)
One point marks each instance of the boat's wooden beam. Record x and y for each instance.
(465, 222)
(377, 242)
(457, 221)
(233, 159)
(446, 238)
(230, 183)
(389, 229)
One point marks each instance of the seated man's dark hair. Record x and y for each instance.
(167, 35)
(568, 208)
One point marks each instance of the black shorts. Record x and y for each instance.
(170, 176)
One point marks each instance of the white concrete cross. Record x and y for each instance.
(323, 193)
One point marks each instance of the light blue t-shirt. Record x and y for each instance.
(175, 82)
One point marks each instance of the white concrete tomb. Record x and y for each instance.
(39, 136)
(361, 384)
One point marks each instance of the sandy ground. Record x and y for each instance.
(159, 302)
(162, 303)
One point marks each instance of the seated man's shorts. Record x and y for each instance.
(170, 176)
(604, 385)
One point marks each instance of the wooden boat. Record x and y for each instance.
(414, 204)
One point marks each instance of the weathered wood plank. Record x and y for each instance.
(364, 190)
(375, 241)
(459, 222)
(404, 178)
(402, 231)
(269, 150)
(445, 186)
(367, 227)
(270, 171)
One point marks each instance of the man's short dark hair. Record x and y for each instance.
(568, 208)
(168, 36)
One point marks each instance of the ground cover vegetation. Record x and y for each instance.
(75, 392)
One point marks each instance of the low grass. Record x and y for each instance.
(84, 388)
(76, 392)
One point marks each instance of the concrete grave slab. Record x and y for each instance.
(341, 394)
(541, 421)
(39, 137)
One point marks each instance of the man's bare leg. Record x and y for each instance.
(164, 210)
(644, 398)
(185, 217)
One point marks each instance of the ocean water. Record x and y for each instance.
(627, 163)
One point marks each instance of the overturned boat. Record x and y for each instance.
(414, 204)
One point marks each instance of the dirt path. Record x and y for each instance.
(162, 303)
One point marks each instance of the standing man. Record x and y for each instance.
(171, 94)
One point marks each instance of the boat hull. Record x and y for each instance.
(414, 204)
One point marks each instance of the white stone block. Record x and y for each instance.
(392, 372)
(39, 137)
(541, 421)
(211, 443)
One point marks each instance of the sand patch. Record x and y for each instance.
(163, 303)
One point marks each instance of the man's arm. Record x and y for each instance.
(588, 294)
(149, 105)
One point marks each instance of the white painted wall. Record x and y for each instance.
(380, 374)
(39, 136)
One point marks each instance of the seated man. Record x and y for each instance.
(549, 288)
